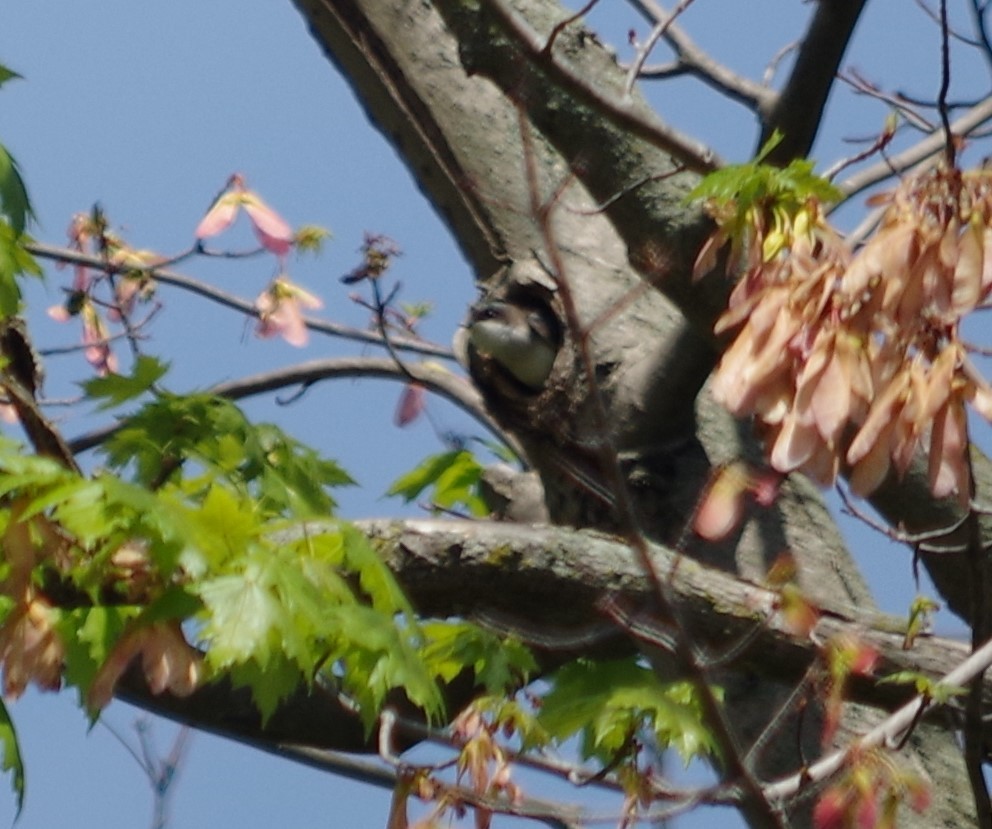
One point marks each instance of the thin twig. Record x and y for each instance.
(919, 152)
(982, 30)
(693, 59)
(434, 378)
(247, 307)
(889, 731)
(950, 151)
(660, 27)
(914, 539)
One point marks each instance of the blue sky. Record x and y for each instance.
(148, 108)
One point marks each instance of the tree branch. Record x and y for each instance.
(244, 306)
(800, 105)
(627, 113)
(692, 59)
(433, 377)
(919, 152)
(558, 579)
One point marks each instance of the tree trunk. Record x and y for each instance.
(630, 383)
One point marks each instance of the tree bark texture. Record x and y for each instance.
(449, 86)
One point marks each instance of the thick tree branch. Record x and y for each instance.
(799, 109)
(559, 577)
(627, 113)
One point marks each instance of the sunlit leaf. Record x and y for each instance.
(14, 201)
(115, 389)
(12, 761)
(453, 477)
(606, 703)
(500, 665)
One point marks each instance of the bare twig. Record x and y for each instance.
(161, 772)
(564, 24)
(247, 307)
(935, 17)
(661, 26)
(913, 539)
(769, 74)
(950, 151)
(907, 108)
(694, 60)
(888, 732)
(919, 152)
(978, 10)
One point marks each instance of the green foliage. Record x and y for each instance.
(735, 192)
(15, 211)
(7, 74)
(939, 692)
(15, 261)
(119, 388)
(12, 761)
(755, 183)
(212, 435)
(609, 703)
(89, 634)
(452, 477)
(274, 600)
(500, 665)
(279, 605)
(14, 203)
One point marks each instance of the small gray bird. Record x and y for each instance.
(517, 338)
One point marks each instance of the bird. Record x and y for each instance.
(518, 338)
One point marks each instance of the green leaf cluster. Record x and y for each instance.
(606, 704)
(191, 440)
(499, 664)
(451, 478)
(115, 389)
(284, 605)
(15, 212)
(736, 192)
(276, 601)
(12, 761)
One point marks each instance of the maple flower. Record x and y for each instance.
(869, 793)
(411, 404)
(271, 229)
(30, 648)
(851, 358)
(167, 660)
(96, 339)
(721, 508)
(79, 234)
(280, 311)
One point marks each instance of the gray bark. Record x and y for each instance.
(418, 68)
(410, 64)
